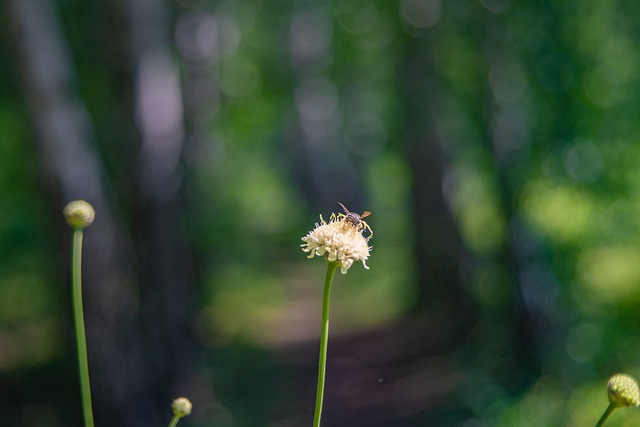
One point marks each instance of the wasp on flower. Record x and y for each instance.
(340, 240)
(356, 219)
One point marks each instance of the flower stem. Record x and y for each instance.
(606, 414)
(174, 421)
(324, 338)
(78, 317)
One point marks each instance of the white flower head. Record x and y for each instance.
(338, 241)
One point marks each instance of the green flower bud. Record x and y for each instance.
(79, 214)
(181, 407)
(623, 391)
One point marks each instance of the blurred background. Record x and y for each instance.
(495, 142)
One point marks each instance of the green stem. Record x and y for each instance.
(78, 317)
(606, 414)
(174, 421)
(324, 338)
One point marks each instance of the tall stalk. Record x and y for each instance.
(78, 317)
(324, 338)
(79, 215)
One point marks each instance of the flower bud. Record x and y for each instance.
(623, 391)
(79, 214)
(181, 407)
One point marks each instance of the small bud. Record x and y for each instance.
(623, 391)
(181, 407)
(79, 214)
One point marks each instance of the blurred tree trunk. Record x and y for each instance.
(140, 344)
(73, 171)
(502, 111)
(440, 254)
(166, 266)
(442, 259)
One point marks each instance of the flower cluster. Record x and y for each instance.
(338, 241)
